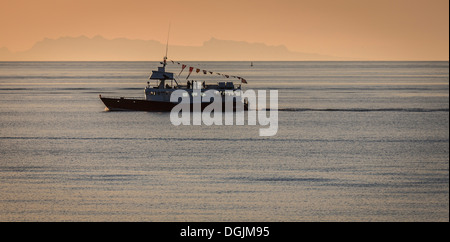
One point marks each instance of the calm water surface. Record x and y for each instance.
(357, 141)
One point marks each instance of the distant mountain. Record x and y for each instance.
(100, 49)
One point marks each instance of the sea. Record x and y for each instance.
(356, 142)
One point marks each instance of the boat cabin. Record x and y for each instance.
(163, 88)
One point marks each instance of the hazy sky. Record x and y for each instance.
(368, 29)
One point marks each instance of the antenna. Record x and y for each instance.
(167, 45)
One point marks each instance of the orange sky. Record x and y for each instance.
(367, 29)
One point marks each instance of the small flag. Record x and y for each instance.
(182, 68)
(190, 71)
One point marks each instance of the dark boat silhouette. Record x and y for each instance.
(157, 98)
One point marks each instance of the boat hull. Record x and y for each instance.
(130, 104)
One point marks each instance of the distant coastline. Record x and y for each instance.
(120, 49)
(99, 48)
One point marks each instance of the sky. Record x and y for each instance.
(365, 29)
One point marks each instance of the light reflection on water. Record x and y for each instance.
(357, 141)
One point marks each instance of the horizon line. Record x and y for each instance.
(227, 61)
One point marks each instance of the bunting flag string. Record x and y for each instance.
(197, 70)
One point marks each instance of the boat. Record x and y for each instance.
(157, 97)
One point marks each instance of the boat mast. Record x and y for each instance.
(167, 46)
